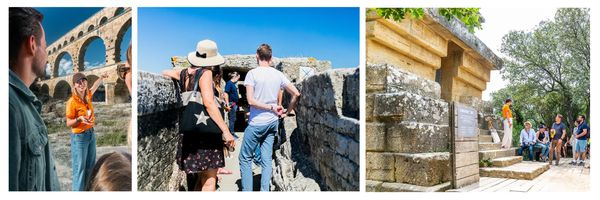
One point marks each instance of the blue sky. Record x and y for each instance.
(56, 25)
(324, 33)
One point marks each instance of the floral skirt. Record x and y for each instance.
(198, 152)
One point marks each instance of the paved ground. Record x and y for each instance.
(232, 182)
(561, 178)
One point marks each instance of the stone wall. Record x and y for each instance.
(327, 133)
(407, 130)
(157, 134)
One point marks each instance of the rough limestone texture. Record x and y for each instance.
(157, 134)
(292, 170)
(408, 133)
(328, 127)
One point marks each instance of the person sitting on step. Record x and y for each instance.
(542, 141)
(527, 140)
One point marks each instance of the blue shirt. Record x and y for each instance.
(580, 129)
(559, 128)
(527, 137)
(232, 92)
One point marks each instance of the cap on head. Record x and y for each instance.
(78, 76)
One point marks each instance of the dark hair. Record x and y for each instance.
(232, 74)
(582, 116)
(507, 100)
(22, 23)
(112, 172)
(264, 52)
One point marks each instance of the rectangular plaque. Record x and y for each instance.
(466, 121)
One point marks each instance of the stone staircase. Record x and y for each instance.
(505, 162)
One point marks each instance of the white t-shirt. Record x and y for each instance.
(266, 82)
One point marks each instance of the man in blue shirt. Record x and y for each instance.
(583, 133)
(558, 133)
(233, 98)
(527, 140)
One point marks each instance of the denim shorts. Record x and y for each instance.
(580, 146)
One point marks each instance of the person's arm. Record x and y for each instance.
(583, 133)
(97, 84)
(14, 148)
(564, 134)
(256, 104)
(280, 97)
(72, 119)
(208, 98)
(290, 88)
(172, 73)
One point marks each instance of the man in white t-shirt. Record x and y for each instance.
(262, 87)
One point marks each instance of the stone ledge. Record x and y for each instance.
(404, 106)
(493, 154)
(506, 161)
(523, 171)
(402, 187)
(391, 79)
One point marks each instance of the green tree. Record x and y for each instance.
(548, 68)
(469, 16)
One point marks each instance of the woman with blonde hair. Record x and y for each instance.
(80, 117)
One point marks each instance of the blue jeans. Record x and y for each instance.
(83, 157)
(530, 147)
(257, 137)
(544, 147)
(232, 116)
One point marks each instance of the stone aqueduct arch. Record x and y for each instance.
(109, 25)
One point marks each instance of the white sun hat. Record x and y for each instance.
(206, 54)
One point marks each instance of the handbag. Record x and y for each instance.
(193, 117)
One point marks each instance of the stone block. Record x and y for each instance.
(403, 106)
(413, 137)
(376, 136)
(425, 169)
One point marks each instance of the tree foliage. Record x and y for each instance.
(469, 16)
(548, 68)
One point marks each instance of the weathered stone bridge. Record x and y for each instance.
(109, 25)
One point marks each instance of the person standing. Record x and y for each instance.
(233, 98)
(80, 117)
(573, 141)
(558, 133)
(200, 154)
(507, 114)
(30, 161)
(583, 133)
(527, 139)
(262, 86)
